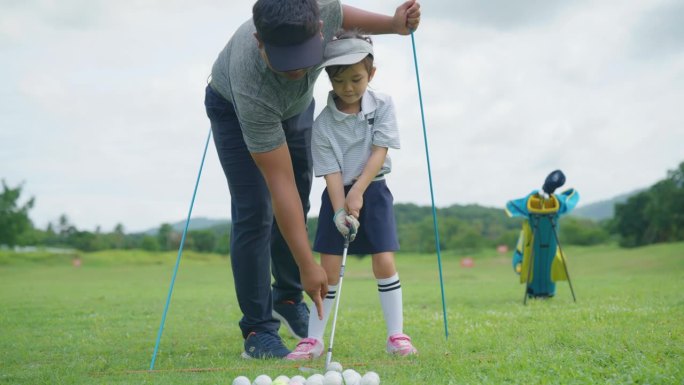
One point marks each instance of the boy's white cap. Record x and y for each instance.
(345, 52)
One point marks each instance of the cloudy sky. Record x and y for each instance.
(102, 118)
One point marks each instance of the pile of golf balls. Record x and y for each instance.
(335, 375)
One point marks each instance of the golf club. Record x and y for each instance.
(328, 357)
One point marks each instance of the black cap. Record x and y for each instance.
(290, 31)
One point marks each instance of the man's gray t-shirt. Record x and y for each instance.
(262, 98)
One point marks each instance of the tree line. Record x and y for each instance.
(652, 216)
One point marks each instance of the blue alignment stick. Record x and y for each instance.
(180, 253)
(432, 195)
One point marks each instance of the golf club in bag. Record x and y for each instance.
(328, 356)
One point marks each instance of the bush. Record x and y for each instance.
(583, 232)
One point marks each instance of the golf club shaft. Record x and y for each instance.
(328, 356)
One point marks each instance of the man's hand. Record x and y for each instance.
(346, 224)
(406, 17)
(315, 284)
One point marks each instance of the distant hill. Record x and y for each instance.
(597, 211)
(199, 223)
(601, 210)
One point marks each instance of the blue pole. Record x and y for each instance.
(432, 195)
(180, 252)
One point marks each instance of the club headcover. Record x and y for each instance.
(555, 180)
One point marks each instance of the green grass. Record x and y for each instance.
(97, 324)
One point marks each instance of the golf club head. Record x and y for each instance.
(307, 369)
(553, 181)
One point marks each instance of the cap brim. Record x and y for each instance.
(293, 57)
(347, 59)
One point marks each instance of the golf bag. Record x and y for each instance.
(538, 257)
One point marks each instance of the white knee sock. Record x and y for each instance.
(391, 302)
(317, 326)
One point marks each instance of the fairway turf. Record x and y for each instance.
(97, 324)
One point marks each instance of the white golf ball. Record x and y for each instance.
(332, 378)
(296, 382)
(314, 379)
(300, 379)
(334, 366)
(262, 380)
(370, 378)
(351, 377)
(241, 380)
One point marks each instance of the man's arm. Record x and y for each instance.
(276, 167)
(406, 19)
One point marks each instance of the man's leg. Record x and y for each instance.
(251, 217)
(287, 287)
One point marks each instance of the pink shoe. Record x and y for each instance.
(307, 349)
(400, 344)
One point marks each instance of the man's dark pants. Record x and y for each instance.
(256, 244)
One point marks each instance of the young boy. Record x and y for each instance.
(350, 140)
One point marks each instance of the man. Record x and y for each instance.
(260, 104)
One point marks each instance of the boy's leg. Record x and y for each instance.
(312, 346)
(317, 326)
(332, 265)
(251, 217)
(287, 288)
(389, 289)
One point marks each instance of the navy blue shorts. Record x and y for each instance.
(378, 230)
